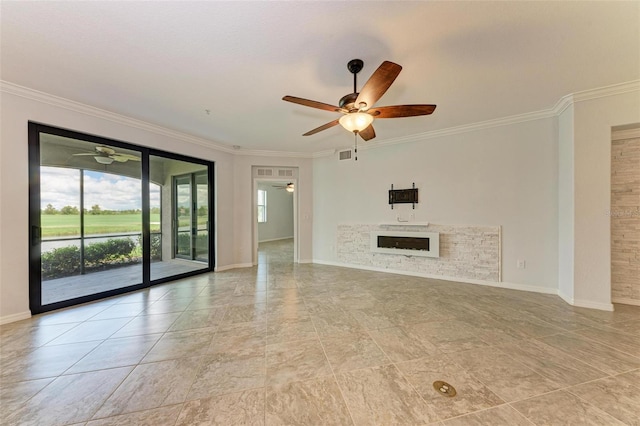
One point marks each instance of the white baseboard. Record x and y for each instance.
(565, 297)
(586, 303)
(305, 261)
(511, 286)
(234, 266)
(593, 305)
(15, 317)
(276, 239)
(625, 301)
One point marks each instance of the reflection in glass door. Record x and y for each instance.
(192, 216)
(202, 216)
(184, 216)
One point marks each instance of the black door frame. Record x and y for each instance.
(35, 272)
(193, 220)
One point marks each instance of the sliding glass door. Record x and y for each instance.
(183, 244)
(102, 214)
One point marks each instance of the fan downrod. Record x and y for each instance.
(347, 102)
(355, 66)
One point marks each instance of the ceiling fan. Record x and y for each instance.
(357, 108)
(106, 155)
(288, 187)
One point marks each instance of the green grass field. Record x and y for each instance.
(69, 225)
(60, 225)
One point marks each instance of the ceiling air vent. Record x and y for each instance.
(345, 155)
(285, 173)
(265, 172)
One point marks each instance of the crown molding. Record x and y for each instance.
(556, 110)
(57, 101)
(488, 124)
(600, 92)
(562, 104)
(267, 153)
(611, 90)
(481, 125)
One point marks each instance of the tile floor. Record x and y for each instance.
(317, 345)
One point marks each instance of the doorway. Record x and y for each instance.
(275, 217)
(281, 209)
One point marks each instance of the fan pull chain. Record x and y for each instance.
(356, 150)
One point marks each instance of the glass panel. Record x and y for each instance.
(60, 223)
(60, 203)
(91, 218)
(155, 226)
(183, 215)
(179, 185)
(202, 217)
(262, 206)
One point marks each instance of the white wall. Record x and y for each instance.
(593, 122)
(566, 211)
(504, 175)
(279, 224)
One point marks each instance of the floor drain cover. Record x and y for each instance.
(444, 388)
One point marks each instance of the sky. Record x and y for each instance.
(61, 187)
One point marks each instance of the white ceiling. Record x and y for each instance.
(166, 62)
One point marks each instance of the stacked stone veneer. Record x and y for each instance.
(625, 221)
(471, 252)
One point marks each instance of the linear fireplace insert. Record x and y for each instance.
(426, 244)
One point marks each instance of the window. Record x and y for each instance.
(262, 206)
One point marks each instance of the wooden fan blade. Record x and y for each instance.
(321, 128)
(396, 111)
(93, 154)
(378, 83)
(368, 133)
(312, 104)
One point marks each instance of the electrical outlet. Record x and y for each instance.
(521, 264)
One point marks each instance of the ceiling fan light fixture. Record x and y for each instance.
(289, 187)
(103, 160)
(356, 121)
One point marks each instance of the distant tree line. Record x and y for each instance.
(94, 210)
